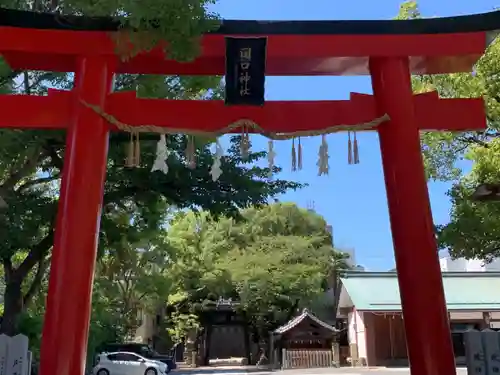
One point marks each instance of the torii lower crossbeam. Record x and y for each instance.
(431, 112)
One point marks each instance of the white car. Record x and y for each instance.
(125, 363)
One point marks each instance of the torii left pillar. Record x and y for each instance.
(65, 332)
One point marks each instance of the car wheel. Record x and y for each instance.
(103, 372)
(151, 371)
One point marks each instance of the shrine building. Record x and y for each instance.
(371, 305)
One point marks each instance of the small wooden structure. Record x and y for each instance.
(304, 342)
(223, 324)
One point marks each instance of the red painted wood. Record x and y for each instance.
(57, 50)
(65, 332)
(36, 112)
(275, 116)
(426, 319)
(289, 116)
(434, 113)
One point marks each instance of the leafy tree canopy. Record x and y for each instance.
(273, 260)
(474, 226)
(442, 150)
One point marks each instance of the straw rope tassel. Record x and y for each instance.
(244, 143)
(186, 151)
(134, 148)
(129, 160)
(356, 149)
(323, 167)
(349, 148)
(294, 156)
(133, 151)
(247, 142)
(137, 150)
(271, 154)
(190, 152)
(299, 156)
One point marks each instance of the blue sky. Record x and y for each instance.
(351, 198)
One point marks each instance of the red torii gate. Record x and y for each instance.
(432, 113)
(388, 50)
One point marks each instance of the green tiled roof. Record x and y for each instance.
(379, 291)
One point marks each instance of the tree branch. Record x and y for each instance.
(8, 269)
(12, 75)
(37, 181)
(24, 170)
(35, 284)
(51, 152)
(473, 139)
(36, 254)
(40, 78)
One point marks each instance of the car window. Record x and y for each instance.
(129, 357)
(110, 349)
(144, 350)
(123, 357)
(116, 347)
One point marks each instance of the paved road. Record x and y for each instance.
(320, 371)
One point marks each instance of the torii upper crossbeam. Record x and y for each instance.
(388, 50)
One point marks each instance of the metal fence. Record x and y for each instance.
(296, 358)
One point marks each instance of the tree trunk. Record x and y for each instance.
(13, 307)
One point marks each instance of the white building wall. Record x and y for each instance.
(356, 331)
(467, 265)
(493, 266)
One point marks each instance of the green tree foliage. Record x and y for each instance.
(273, 260)
(31, 320)
(31, 161)
(27, 223)
(441, 150)
(130, 280)
(472, 231)
(179, 22)
(474, 228)
(131, 276)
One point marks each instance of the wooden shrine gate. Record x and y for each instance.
(387, 50)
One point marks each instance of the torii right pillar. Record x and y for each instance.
(430, 349)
